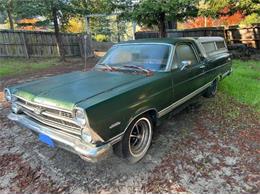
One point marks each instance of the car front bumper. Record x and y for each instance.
(63, 140)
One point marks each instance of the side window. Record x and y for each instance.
(185, 53)
(220, 45)
(209, 47)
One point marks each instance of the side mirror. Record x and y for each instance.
(185, 64)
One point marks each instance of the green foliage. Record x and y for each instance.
(100, 25)
(3, 17)
(28, 8)
(157, 12)
(250, 19)
(215, 7)
(32, 8)
(101, 38)
(248, 6)
(212, 7)
(244, 83)
(148, 12)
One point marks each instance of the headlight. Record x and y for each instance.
(80, 117)
(8, 95)
(85, 135)
(16, 108)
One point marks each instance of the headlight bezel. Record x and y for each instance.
(83, 120)
(88, 135)
(16, 108)
(8, 92)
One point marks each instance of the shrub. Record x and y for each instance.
(101, 38)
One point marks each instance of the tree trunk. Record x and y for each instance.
(162, 26)
(57, 33)
(172, 24)
(10, 16)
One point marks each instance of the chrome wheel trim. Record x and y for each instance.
(140, 137)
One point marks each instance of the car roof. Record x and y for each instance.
(173, 40)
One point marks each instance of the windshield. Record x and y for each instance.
(152, 57)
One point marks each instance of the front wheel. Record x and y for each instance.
(137, 139)
(211, 91)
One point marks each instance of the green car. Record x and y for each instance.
(116, 105)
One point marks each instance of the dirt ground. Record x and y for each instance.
(213, 146)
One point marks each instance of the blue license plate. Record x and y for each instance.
(47, 140)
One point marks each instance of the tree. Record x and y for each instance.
(215, 7)
(7, 6)
(157, 12)
(250, 9)
(251, 19)
(57, 11)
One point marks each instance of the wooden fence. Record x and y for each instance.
(42, 44)
(249, 36)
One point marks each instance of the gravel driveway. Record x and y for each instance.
(213, 146)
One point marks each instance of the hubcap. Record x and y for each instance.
(140, 137)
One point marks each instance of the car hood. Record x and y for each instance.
(65, 91)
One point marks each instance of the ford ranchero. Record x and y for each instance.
(116, 105)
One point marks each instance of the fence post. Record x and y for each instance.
(25, 46)
(81, 49)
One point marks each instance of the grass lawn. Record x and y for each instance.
(18, 66)
(244, 83)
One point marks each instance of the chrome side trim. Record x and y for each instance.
(181, 101)
(114, 125)
(166, 110)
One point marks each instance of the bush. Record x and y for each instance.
(101, 38)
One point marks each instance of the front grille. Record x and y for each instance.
(59, 119)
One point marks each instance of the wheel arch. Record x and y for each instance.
(151, 111)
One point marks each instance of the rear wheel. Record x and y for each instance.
(211, 91)
(137, 139)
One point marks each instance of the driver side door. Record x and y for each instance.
(187, 70)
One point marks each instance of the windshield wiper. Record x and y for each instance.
(107, 66)
(138, 68)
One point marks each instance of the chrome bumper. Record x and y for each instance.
(63, 140)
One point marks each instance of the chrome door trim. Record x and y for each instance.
(181, 101)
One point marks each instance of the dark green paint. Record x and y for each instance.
(110, 97)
